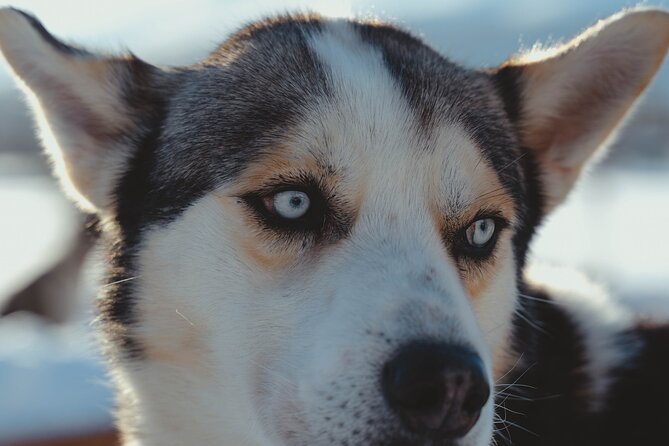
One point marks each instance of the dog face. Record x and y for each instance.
(315, 234)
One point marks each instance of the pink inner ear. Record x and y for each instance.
(570, 118)
(83, 137)
(71, 113)
(574, 98)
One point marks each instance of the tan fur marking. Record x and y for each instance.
(260, 249)
(177, 335)
(477, 278)
(487, 193)
(283, 160)
(484, 192)
(484, 189)
(263, 254)
(189, 351)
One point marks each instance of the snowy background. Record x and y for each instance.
(51, 380)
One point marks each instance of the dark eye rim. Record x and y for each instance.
(312, 221)
(462, 247)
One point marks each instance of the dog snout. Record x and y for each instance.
(437, 390)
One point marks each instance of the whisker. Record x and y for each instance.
(518, 379)
(501, 190)
(512, 367)
(540, 300)
(498, 432)
(513, 397)
(119, 281)
(526, 386)
(522, 155)
(478, 163)
(184, 317)
(518, 426)
(285, 381)
(510, 410)
(531, 323)
(496, 327)
(505, 427)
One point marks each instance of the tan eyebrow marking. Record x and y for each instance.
(254, 245)
(267, 250)
(465, 186)
(489, 196)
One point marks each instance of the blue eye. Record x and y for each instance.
(481, 232)
(291, 208)
(290, 204)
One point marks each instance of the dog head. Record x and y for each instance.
(316, 234)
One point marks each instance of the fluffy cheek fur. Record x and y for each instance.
(208, 323)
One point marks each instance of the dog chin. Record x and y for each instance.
(296, 432)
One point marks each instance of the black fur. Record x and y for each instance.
(546, 400)
(545, 393)
(146, 98)
(507, 81)
(637, 411)
(532, 209)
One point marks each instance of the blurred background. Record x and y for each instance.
(52, 383)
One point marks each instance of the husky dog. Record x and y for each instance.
(317, 235)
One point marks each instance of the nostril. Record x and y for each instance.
(436, 388)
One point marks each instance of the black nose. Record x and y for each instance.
(436, 389)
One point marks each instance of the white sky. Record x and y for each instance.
(152, 27)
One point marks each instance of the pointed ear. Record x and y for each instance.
(568, 101)
(89, 108)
